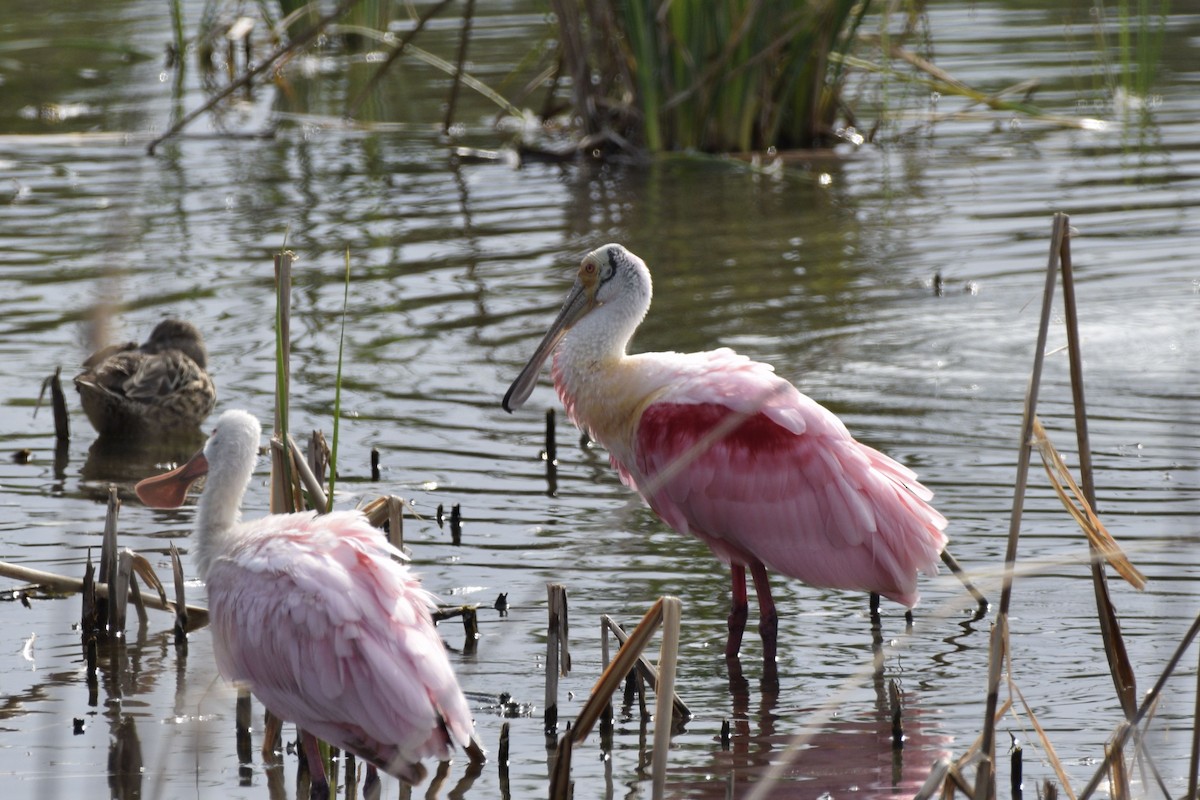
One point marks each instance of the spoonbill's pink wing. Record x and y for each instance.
(332, 634)
(786, 484)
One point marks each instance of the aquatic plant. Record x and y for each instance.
(717, 77)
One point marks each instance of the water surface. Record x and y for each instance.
(825, 271)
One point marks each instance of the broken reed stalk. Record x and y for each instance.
(198, 615)
(558, 657)
(612, 677)
(1119, 664)
(395, 519)
(668, 657)
(985, 777)
(551, 456)
(249, 75)
(108, 562)
(644, 668)
(318, 456)
(282, 497)
(181, 611)
(316, 494)
(58, 403)
(464, 38)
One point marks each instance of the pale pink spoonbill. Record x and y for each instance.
(724, 449)
(315, 615)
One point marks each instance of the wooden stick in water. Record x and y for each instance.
(108, 562)
(181, 611)
(557, 657)
(58, 402)
(198, 615)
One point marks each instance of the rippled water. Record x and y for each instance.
(457, 270)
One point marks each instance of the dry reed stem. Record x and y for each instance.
(1047, 747)
(282, 499)
(647, 670)
(1124, 731)
(395, 519)
(612, 677)
(558, 657)
(1061, 480)
(1118, 777)
(668, 657)
(316, 494)
(985, 778)
(181, 611)
(1120, 666)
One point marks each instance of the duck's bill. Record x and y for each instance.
(169, 490)
(578, 303)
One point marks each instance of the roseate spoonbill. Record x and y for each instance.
(315, 616)
(722, 448)
(159, 387)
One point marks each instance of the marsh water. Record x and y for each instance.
(825, 268)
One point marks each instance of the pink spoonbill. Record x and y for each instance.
(723, 448)
(315, 616)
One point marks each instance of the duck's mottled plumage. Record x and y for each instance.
(159, 387)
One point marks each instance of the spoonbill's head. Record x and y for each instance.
(233, 447)
(613, 286)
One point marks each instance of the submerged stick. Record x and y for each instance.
(960, 573)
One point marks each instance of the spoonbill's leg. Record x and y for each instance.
(371, 786)
(768, 624)
(316, 767)
(739, 610)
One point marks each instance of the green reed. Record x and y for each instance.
(717, 77)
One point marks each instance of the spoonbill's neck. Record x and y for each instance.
(594, 376)
(219, 511)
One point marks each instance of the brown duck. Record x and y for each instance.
(159, 387)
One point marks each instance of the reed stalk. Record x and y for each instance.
(337, 390)
(985, 778)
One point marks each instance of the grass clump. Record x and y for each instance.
(716, 77)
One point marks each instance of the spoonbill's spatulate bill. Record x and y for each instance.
(724, 449)
(317, 618)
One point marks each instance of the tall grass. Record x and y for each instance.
(717, 77)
